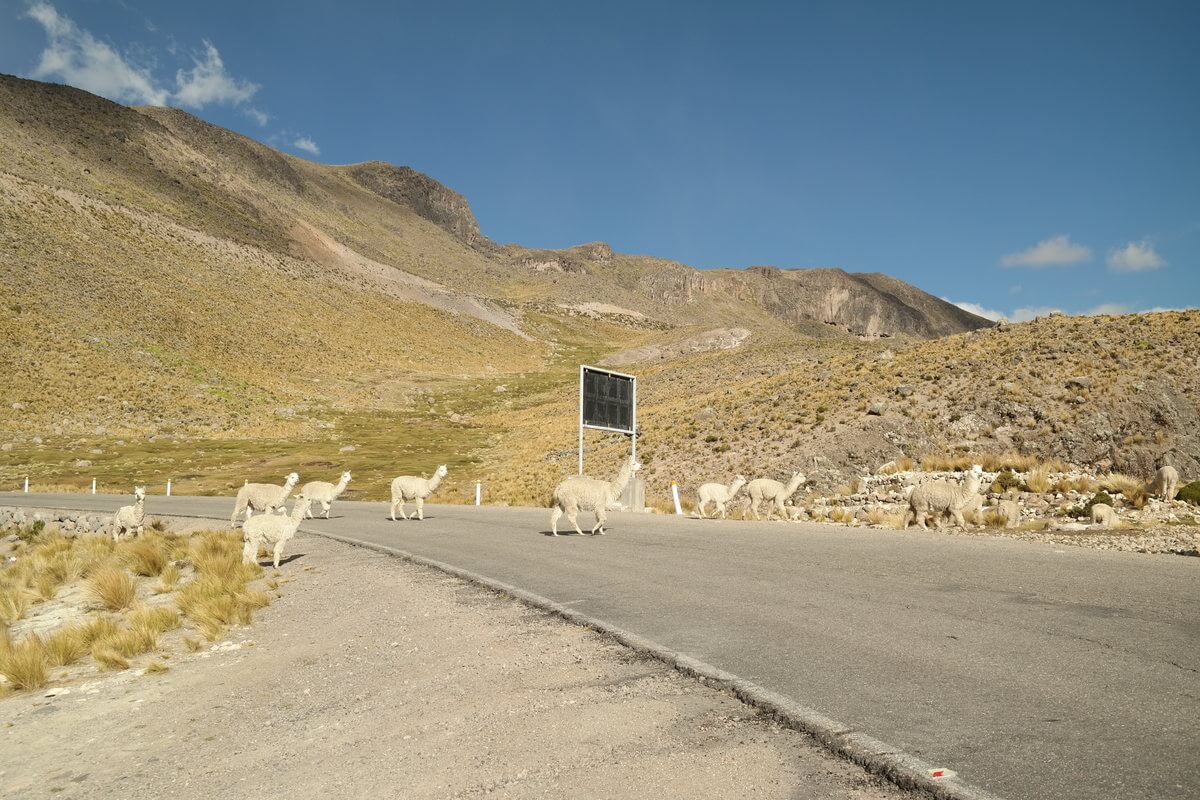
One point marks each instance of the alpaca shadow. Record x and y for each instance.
(565, 533)
(399, 520)
(266, 561)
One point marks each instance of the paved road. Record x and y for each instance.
(1036, 672)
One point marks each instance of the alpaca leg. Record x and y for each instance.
(278, 552)
(958, 518)
(555, 513)
(393, 512)
(754, 508)
(238, 508)
(700, 508)
(308, 514)
(783, 515)
(325, 506)
(601, 518)
(420, 508)
(140, 531)
(721, 508)
(573, 517)
(249, 552)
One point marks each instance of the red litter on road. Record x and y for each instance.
(941, 772)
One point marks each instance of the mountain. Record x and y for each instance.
(190, 302)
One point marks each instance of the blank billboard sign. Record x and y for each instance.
(607, 400)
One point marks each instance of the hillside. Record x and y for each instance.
(182, 301)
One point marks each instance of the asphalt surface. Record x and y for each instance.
(1034, 671)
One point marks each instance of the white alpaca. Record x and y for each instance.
(272, 531)
(936, 498)
(718, 493)
(262, 497)
(589, 494)
(1010, 512)
(1165, 483)
(409, 488)
(1103, 514)
(774, 492)
(130, 519)
(324, 492)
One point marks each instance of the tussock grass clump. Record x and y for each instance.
(24, 663)
(111, 588)
(1038, 479)
(156, 668)
(168, 579)
(217, 597)
(107, 656)
(68, 644)
(1132, 488)
(145, 557)
(14, 602)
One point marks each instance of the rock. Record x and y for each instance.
(904, 390)
(706, 413)
(349, 448)
(6, 447)
(1079, 382)
(18, 406)
(82, 463)
(57, 691)
(877, 409)
(36, 440)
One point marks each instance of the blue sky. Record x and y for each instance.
(1018, 156)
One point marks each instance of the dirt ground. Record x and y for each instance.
(371, 677)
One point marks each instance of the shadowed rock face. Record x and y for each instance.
(437, 203)
(870, 305)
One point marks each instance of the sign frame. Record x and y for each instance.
(632, 432)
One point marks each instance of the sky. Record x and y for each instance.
(1011, 157)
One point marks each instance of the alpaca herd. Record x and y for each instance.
(273, 527)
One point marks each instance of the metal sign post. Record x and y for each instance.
(607, 402)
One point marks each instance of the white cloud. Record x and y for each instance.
(74, 56)
(977, 310)
(1048, 252)
(1026, 314)
(1135, 257)
(208, 82)
(1107, 308)
(261, 117)
(306, 144)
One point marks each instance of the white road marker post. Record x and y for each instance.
(26, 484)
(675, 497)
(478, 493)
(93, 485)
(168, 487)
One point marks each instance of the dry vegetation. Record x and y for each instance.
(64, 600)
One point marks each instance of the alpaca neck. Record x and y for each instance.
(617, 486)
(341, 487)
(737, 484)
(297, 513)
(793, 484)
(139, 507)
(436, 481)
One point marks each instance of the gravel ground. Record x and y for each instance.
(371, 677)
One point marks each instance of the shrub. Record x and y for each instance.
(14, 602)
(1190, 493)
(1085, 510)
(1005, 480)
(30, 533)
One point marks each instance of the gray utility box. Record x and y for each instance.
(634, 496)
